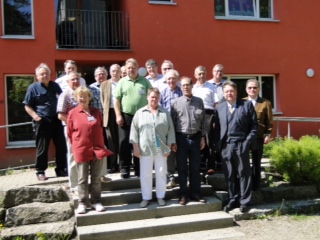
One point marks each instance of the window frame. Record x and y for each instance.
(256, 17)
(164, 2)
(31, 36)
(21, 143)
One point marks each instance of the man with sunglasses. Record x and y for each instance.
(263, 109)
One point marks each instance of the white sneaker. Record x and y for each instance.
(161, 202)
(98, 207)
(81, 209)
(105, 179)
(144, 203)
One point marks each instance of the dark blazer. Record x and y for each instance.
(246, 119)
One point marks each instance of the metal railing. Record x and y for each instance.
(92, 29)
(292, 119)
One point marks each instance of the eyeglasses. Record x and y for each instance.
(252, 87)
(220, 71)
(186, 85)
(166, 68)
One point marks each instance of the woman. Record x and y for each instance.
(152, 135)
(85, 132)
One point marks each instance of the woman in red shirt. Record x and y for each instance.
(85, 131)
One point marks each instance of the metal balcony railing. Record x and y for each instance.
(92, 29)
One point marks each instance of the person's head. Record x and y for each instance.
(115, 72)
(186, 86)
(152, 68)
(83, 96)
(200, 73)
(253, 88)
(73, 80)
(100, 74)
(70, 66)
(43, 73)
(123, 71)
(132, 68)
(217, 72)
(230, 91)
(166, 65)
(153, 97)
(172, 78)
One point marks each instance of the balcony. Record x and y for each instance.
(92, 29)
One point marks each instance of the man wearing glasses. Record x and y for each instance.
(263, 109)
(217, 80)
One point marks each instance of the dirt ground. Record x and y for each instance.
(281, 228)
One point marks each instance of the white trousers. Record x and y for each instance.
(146, 169)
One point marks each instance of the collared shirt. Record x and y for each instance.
(154, 81)
(161, 84)
(113, 90)
(168, 96)
(132, 94)
(253, 100)
(188, 115)
(43, 100)
(63, 83)
(218, 88)
(96, 102)
(207, 93)
(152, 131)
(66, 102)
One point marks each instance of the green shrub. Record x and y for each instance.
(297, 161)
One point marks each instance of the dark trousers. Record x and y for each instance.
(237, 171)
(256, 164)
(113, 140)
(45, 131)
(125, 148)
(188, 149)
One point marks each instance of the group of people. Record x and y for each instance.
(161, 122)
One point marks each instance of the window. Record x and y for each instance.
(16, 87)
(244, 9)
(267, 86)
(162, 1)
(17, 18)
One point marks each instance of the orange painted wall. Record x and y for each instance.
(188, 34)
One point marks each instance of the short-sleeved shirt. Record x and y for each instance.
(66, 102)
(207, 93)
(43, 100)
(168, 96)
(132, 94)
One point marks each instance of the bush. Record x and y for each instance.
(297, 161)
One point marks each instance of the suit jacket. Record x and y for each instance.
(105, 92)
(265, 117)
(245, 118)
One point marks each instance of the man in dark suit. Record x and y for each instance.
(263, 109)
(236, 124)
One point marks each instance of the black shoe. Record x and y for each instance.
(244, 208)
(199, 199)
(61, 173)
(229, 207)
(113, 170)
(183, 201)
(125, 173)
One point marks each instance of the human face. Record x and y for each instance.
(152, 70)
(217, 73)
(70, 68)
(73, 81)
(84, 99)
(123, 72)
(132, 70)
(252, 89)
(43, 76)
(165, 67)
(153, 100)
(186, 87)
(201, 76)
(230, 94)
(172, 80)
(115, 73)
(101, 76)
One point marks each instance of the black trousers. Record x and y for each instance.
(112, 133)
(256, 164)
(46, 130)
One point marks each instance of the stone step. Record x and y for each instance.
(130, 212)
(156, 226)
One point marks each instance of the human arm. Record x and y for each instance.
(62, 116)
(32, 113)
(117, 109)
(268, 122)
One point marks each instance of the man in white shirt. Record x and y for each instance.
(217, 80)
(152, 69)
(162, 83)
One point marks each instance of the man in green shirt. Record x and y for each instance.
(130, 95)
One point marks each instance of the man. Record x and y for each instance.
(236, 124)
(161, 83)
(41, 104)
(263, 109)
(205, 91)
(66, 102)
(188, 118)
(217, 80)
(153, 75)
(69, 66)
(130, 95)
(123, 72)
(167, 97)
(107, 92)
(100, 75)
